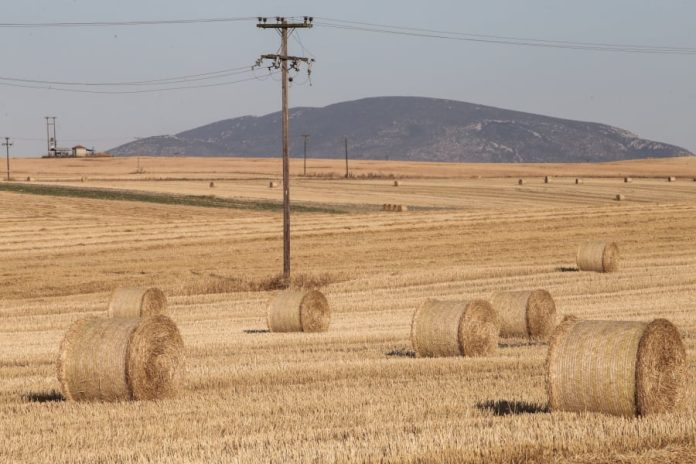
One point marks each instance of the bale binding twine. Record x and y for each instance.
(299, 311)
(454, 328)
(528, 313)
(598, 256)
(120, 359)
(616, 367)
(137, 302)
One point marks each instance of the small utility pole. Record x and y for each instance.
(345, 140)
(285, 28)
(7, 145)
(306, 137)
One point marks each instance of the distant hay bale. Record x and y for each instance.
(528, 314)
(520, 182)
(272, 184)
(133, 302)
(30, 179)
(615, 367)
(83, 179)
(671, 179)
(401, 208)
(212, 184)
(578, 181)
(454, 328)
(299, 311)
(620, 197)
(396, 183)
(547, 179)
(121, 359)
(598, 256)
(628, 180)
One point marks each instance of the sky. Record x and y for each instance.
(652, 95)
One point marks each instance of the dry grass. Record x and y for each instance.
(354, 393)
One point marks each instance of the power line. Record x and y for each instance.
(122, 92)
(162, 81)
(502, 40)
(125, 23)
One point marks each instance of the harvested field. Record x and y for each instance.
(356, 392)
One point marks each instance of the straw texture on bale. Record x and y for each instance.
(137, 302)
(520, 182)
(615, 367)
(121, 359)
(299, 311)
(529, 314)
(578, 181)
(598, 256)
(628, 180)
(454, 328)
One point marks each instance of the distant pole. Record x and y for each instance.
(345, 140)
(281, 60)
(48, 139)
(55, 137)
(7, 146)
(306, 136)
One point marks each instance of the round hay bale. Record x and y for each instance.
(454, 328)
(212, 184)
(299, 311)
(671, 179)
(401, 208)
(385, 207)
(578, 181)
(616, 367)
(628, 180)
(598, 256)
(272, 184)
(520, 182)
(620, 197)
(528, 314)
(396, 183)
(121, 359)
(83, 179)
(30, 179)
(132, 302)
(547, 179)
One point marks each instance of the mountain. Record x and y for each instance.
(411, 128)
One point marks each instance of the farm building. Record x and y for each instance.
(80, 151)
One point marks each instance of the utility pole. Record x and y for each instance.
(7, 146)
(285, 28)
(306, 137)
(50, 121)
(345, 139)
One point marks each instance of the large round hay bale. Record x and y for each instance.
(137, 302)
(454, 328)
(598, 256)
(299, 311)
(121, 359)
(527, 313)
(613, 367)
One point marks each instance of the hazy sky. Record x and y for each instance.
(651, 95)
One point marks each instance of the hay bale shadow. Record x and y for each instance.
(567, 269)
(401, 353)
(43, 397)
(507, 408)
(256, 331)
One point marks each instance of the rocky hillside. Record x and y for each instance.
(411, 128)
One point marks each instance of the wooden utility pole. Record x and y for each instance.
(7, 145)
(306, 137)
(285, 28)
(345, 139)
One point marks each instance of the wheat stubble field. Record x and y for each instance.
(354, 393)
